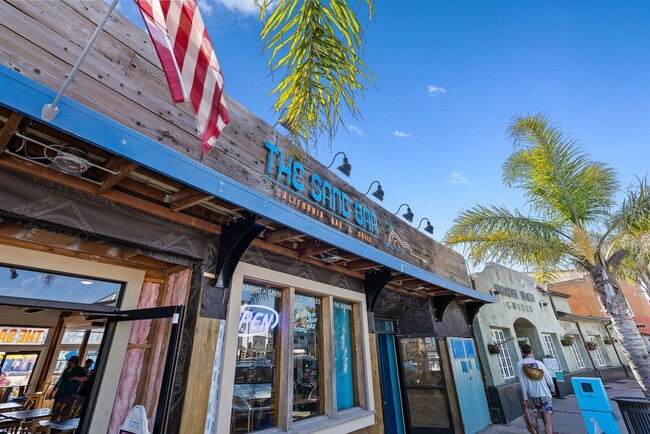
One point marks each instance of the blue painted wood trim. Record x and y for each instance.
(27, 97)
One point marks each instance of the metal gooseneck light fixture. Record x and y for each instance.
(344, 168)
(408, 215)
(428, 227)
(378, 193)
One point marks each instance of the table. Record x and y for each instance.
(39, 413)
(69, 425)
(9, 406)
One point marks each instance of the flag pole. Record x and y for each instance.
(50, 111)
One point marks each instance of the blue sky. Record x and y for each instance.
(450, 74)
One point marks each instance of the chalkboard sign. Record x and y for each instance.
(135, 422)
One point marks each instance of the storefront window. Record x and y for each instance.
(343, 355)
(254, 395)
(306, 355)
(279, 370)
(18, 367)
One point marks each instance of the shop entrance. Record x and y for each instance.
(48, 318)
(424, 389)
(391, 396)
(163, 393)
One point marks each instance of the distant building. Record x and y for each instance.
(584, 300)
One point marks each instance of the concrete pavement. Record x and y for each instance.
(567, 418)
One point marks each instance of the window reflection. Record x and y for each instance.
(253, 406)
(421, 362)
(306, 355)
(19, 282)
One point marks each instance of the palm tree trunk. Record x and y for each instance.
(616, 307)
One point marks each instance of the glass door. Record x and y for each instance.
(425, 393)
(172, 317)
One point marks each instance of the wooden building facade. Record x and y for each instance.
(244, 289)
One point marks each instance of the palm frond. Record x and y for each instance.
(560, 180)
(582, 245)
(633, 218)
(317, 44)
(497, 234)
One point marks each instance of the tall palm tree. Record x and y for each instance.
(569, 222)
(316, 45)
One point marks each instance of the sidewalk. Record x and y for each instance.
(566, 416)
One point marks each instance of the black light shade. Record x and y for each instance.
(344, 168)
(428, 227)
(378, 193)
(408, 216)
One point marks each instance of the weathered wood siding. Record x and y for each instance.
(121, 78)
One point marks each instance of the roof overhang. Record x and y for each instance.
(27, 97)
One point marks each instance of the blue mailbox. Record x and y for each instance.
(594, 405)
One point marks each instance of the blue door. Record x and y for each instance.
(390, 385)
(469, 384)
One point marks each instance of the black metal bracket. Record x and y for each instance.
(373, 284)
(235, 238)
(471, 309)
(440, 304)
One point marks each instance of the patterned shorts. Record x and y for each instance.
(543, 404)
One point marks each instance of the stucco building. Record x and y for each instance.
(527, 313)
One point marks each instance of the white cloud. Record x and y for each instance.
(457, 178)
(205, 7)
(401, 134)
(246, 7)
(354, 129)
(435, 91)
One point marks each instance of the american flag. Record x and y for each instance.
(188, 59)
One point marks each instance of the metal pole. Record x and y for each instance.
(50, 111)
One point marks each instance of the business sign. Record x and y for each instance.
(315, 196)
(135, 422)
(22, 336)
(255, 319)
(513, 293)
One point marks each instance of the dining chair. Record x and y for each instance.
(33, 427)
(11, 427)
(28, 404)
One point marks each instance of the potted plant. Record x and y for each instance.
(493, 348)
(591, 346)
(608, 341)
(567, 340)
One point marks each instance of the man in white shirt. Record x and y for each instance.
(536, 386)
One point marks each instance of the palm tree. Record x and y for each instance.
(569, 222)
(317, 45)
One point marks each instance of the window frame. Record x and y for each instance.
(358, 417)
(580, 362)
(549, 345)
(600, 357)
(507, 370)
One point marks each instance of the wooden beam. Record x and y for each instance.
(9, 129)
(190, 201)
(275, 248)
(280, 235)
(316, 250)
(180, 195)
(116, 164)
